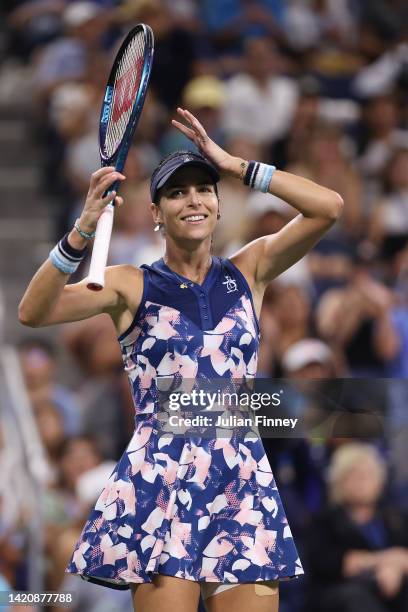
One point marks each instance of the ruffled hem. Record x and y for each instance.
(123, 585)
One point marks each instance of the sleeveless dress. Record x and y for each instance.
(200, 509)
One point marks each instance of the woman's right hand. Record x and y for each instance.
(95, 202)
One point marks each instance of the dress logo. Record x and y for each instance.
(230, 283)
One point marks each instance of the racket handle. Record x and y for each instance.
(96, 276)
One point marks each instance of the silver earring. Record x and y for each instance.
(157, 228)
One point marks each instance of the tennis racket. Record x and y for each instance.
(121, 109)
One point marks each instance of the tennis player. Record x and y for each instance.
(176, 513)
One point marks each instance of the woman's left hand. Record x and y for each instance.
(195, 132)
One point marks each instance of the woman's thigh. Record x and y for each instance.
(166, 594)
(245, 598)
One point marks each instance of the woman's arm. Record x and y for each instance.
(48, 300)
(264, 259)
(319, 208)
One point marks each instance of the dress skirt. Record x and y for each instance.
(194, 508)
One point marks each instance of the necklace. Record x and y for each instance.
(183, 281)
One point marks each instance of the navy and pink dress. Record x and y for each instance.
(200, 509)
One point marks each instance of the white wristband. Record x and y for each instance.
(258, 176)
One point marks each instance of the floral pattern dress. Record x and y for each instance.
(202, 509)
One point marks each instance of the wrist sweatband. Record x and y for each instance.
(258, 175)
(65, 257)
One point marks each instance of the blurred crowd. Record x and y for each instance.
(318, 88)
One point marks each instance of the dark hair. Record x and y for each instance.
(90, 439)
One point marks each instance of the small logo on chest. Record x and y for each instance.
(230, 283)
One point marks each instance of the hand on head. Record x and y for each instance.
(195, 132)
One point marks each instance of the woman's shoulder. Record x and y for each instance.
(127, 280)
(124, 272)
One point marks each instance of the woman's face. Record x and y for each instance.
(79, 457)
(362, 484)
(188, 205)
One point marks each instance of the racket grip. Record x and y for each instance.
(96, 276)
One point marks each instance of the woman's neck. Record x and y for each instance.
(192, 264)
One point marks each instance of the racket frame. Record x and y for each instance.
(118, 158)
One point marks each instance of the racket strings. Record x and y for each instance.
(127, 81)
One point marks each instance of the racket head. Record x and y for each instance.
(125, 95)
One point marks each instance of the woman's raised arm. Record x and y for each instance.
(48, 299)
(264, 259)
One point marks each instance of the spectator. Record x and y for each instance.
(288, 149)
(39, 365)
(389, 224)
(104, 390)
(66, 58)
(324, 158)
(308, 358)
(174, 46)
(205, 95)
(229, 22)
(90, 469)
(253, 216)
(379, 133)
(290, 309)
(50, 427)
(32, 24)
(356, 317)
(314, 24)
(260, 102)
(76, 456)
(367, 564)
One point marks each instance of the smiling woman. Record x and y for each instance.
(177, 513)
(184, 193)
